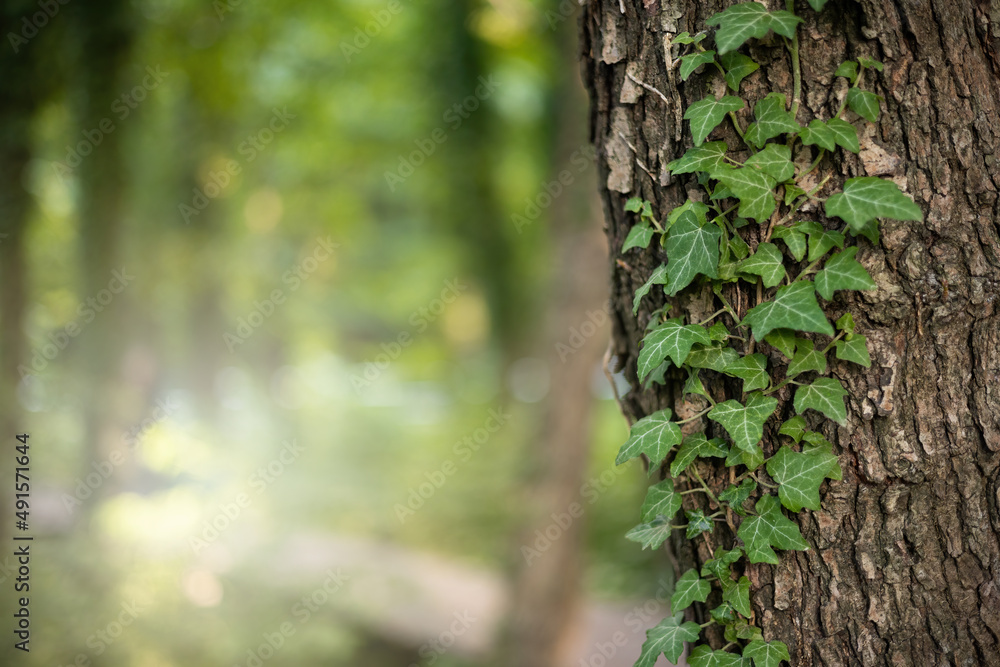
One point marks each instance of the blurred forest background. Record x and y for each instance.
(303, 310)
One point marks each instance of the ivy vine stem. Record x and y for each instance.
(793, 50)
(697, 416)
(694, 471)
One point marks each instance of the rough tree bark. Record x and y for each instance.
(905, 564)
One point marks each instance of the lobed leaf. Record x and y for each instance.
(825, 395)
(794, 307)
(768, 530)
(867, 198)
(654, 436)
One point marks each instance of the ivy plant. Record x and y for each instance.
(747, 227)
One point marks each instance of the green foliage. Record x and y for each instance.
(689, 588)
(653, 436)
(712, 241)
(706, 115)
(769, 529)
(667, 639)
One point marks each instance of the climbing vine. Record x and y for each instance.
(795, 259)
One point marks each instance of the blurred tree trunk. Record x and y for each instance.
(30, 73)
(905, 564)
(17, 105)
(106, 32)
(546, 616)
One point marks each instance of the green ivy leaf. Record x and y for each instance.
(783, 340)
(744, 423)
(698, 523)
(766, 654)
(719, 565)
(671, 339)
(767, 263)
(794, 428)
(741, 629)
(707, 157)
(794, 307)
(639, 236)
(735, 495)
(773, 118)
(846, 323)
(869, 63)
(705, 115)
(724, 614)
(715, 358)
(651, 535)
(686, 38)
(817, 5)
(692, 248)
(825, 395)
(751, 458)
(693, 384)
(844, 134)
(740, 22)
(667, 639)
(738, 67)
(739, 596)
(693, 61)
(696, 445)
(863, 103)
(848, 69)
(806, 359)
(799, 476)
(752, 369)
(634, 204)
(653, 436)
(738, 247)
(821, 241)
(718, 332)
(661, 500)
(689, 588)
(700, 211)
(794, 239)
(775, 161)
(754, 189)
(842, 271)
(854, 349)
(818, 134)
(704, 656)
(792, 192)
(768, 530)
(659, 277)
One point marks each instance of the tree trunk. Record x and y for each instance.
(904, 567)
